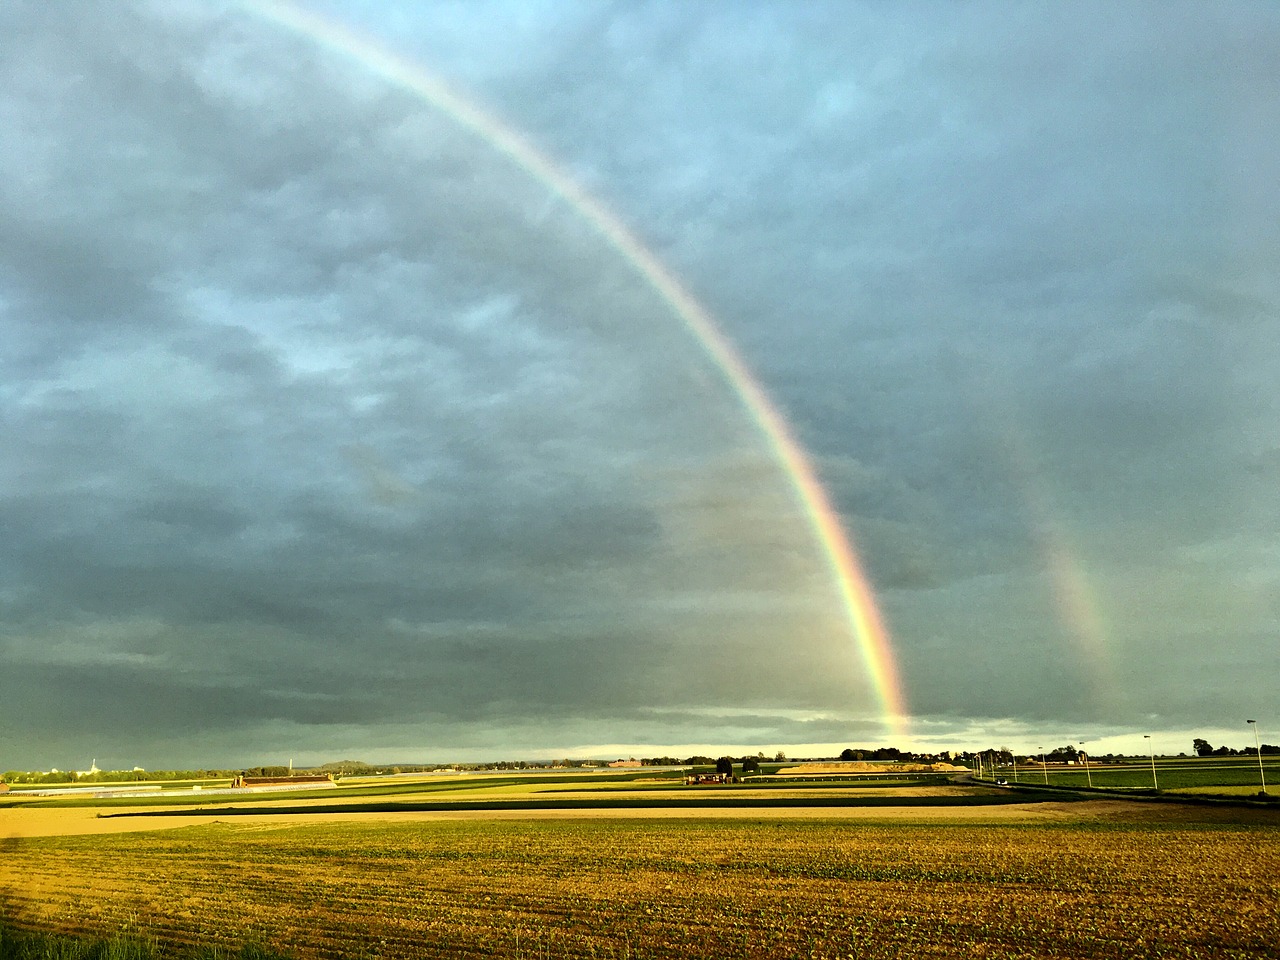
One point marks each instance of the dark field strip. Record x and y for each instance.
(1168, 886)
(701, 800)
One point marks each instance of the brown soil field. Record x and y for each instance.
(1105, 879)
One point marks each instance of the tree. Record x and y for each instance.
(750, 765)
(848, 754)
(725, 765)
(1203, 748)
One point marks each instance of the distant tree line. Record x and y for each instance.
(1204, 748)
(892, 754)
(531, 765)
(701, 761)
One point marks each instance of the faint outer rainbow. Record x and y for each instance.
(855, 591)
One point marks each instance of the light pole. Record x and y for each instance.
(1258, 745)
(1044, 767)
(1087, 775)
(1155, 783)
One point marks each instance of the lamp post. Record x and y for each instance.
(1154, 783)
(1258, 745)
(1044, 767)
(1088, 777)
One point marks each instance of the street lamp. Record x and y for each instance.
(1044, 767)
(1262, 776)
(1087, 775)
(1155, 783)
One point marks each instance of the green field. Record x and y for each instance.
(1173, 774)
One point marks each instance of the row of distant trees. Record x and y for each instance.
(879, 753)
(724, 764)
(1204, 748)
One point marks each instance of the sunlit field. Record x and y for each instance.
(987, 872)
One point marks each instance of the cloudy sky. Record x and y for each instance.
(330, 431)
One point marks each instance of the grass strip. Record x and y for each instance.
(16, 944)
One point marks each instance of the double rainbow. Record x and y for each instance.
(855, 591)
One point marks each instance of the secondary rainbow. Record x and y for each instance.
(855, 591)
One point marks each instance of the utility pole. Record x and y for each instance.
(1155, 783)
(1258, 745)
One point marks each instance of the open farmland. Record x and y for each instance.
(1094, 879)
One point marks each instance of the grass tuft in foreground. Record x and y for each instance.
(26, 945)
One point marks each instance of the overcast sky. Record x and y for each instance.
(327, 431)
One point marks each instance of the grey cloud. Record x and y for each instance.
(316, 403)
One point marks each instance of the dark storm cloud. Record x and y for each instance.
(988, 252)
(324, 423)
(318, 417)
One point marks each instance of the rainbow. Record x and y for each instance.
(1073, 595)
(855, 591)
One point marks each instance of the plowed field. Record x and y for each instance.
(1095, 881)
